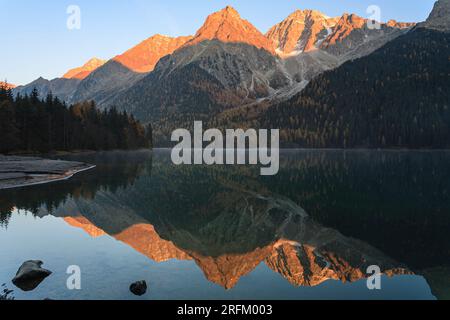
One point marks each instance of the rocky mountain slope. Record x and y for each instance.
(302, 31)
(201, 80)
(227, 64)
(123, 71)
(82, 72)
(236, 68)
(228, 220)
(101, 81)
(371, 103)
(283, 237)
(105, 83)
(227, 26)
(439, 18)
(60, 87)
(143, 57)
(351, 33)
(310, 30)
(311, 43)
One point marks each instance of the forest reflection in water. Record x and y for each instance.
(327, 215)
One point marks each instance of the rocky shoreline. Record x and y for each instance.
(16, 172)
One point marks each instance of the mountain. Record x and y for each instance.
(352, 36)
(227, 63)
(60, 87)
(113, 79)
(233, 64)
(439, 18)
(301, 31)
(227, 66)
(200, 81)
(101, 81)
(311, 30)
(282, 236)
(226, 74)
(105, 83)
(85, 70)
(229, 220)
(83, 223)
(122, 72)
(227, 26)
(395, 97)
(439, 281)
(143, 57)
(402, 25)
(345, 26)
(310, 43)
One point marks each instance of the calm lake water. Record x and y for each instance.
(221, 232)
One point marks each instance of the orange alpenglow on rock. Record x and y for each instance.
(350, 22)
(346, 24)
(301, 265)
(6, 85)
(144, 239)
(301, 31)
(228, 26)
(400, 25)
(310, 30)
(84, 224)
(82, 72)
(144, 57)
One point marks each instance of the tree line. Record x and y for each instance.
(397, 97)
(32, 124)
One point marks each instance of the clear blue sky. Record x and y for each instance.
(39, 43)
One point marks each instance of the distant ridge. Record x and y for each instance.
(143, 57)
(310, 30)
(301, 31)
(82, 72)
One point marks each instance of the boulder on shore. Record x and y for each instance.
(139, 288)
(30, 275)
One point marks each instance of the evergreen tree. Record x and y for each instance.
(31, 124)
(397, 97)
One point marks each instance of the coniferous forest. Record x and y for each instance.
(397, 97)
(37, 125)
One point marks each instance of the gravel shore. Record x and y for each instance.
(18, 172)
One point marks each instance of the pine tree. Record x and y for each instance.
(30, 124)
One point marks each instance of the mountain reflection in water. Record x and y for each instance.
(327, 215)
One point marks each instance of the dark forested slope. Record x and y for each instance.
(31, 124)
(396, 97)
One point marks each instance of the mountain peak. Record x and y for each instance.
(310, 30)
(160, 36)
(344, 27)
(94, 62)
(227, 25)
(439, 18)
(306, 12)
(230, 10)
(353, 20)
(85, 70)
(301, 31)
(143, 57)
